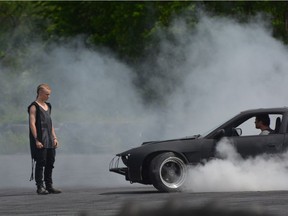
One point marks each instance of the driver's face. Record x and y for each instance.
(257, 123)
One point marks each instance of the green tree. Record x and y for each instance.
(124, 27)
(17, 30)
(244, 10)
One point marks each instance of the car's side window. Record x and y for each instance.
(248, 127)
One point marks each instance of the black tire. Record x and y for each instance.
(168, 172)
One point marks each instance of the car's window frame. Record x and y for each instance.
(240, 118)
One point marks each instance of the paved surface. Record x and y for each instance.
(110, 201)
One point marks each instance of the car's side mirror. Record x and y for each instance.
(239, 131)
(236, 131)
(220, 133)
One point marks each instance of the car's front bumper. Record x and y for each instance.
(125, 164)
(114, 167)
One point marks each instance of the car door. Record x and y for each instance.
(258, 144)
(251, 143)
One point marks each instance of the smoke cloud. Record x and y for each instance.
(228, 67)
(205, 76)
(233, 173)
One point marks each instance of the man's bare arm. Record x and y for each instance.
(32, 125)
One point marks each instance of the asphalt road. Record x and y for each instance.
(111, 201)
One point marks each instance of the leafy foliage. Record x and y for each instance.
(126, 28)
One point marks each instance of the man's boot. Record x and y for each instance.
(52, 190)
(41, 190)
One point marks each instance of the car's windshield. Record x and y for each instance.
(214, 128)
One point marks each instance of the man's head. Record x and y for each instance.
(262, 120)
(43, 91)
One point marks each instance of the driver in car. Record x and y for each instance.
(262, 122)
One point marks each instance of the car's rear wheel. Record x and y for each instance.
(168, 172)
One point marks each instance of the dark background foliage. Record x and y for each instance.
(126, 28)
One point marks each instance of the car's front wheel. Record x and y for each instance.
(168, 172)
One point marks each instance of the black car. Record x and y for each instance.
(164, 163)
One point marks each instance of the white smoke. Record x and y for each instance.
(233, 173)
(228, 67)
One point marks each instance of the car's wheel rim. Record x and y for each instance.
(173, 172)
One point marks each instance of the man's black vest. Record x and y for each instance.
(38, 127)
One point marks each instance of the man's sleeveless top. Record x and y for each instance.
(46, 126)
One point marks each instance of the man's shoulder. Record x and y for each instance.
(265, 132)
(33, 104)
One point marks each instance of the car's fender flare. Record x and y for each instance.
(150, 156)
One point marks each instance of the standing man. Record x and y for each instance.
(43, 140)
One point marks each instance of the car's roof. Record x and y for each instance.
(266, 110)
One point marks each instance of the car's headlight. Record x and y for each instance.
(125, 159)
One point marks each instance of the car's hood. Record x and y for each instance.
(171, 140)
(161, 142)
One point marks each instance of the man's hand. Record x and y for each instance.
(39, 145)
(55, 143)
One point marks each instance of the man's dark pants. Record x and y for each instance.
(45, 159)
